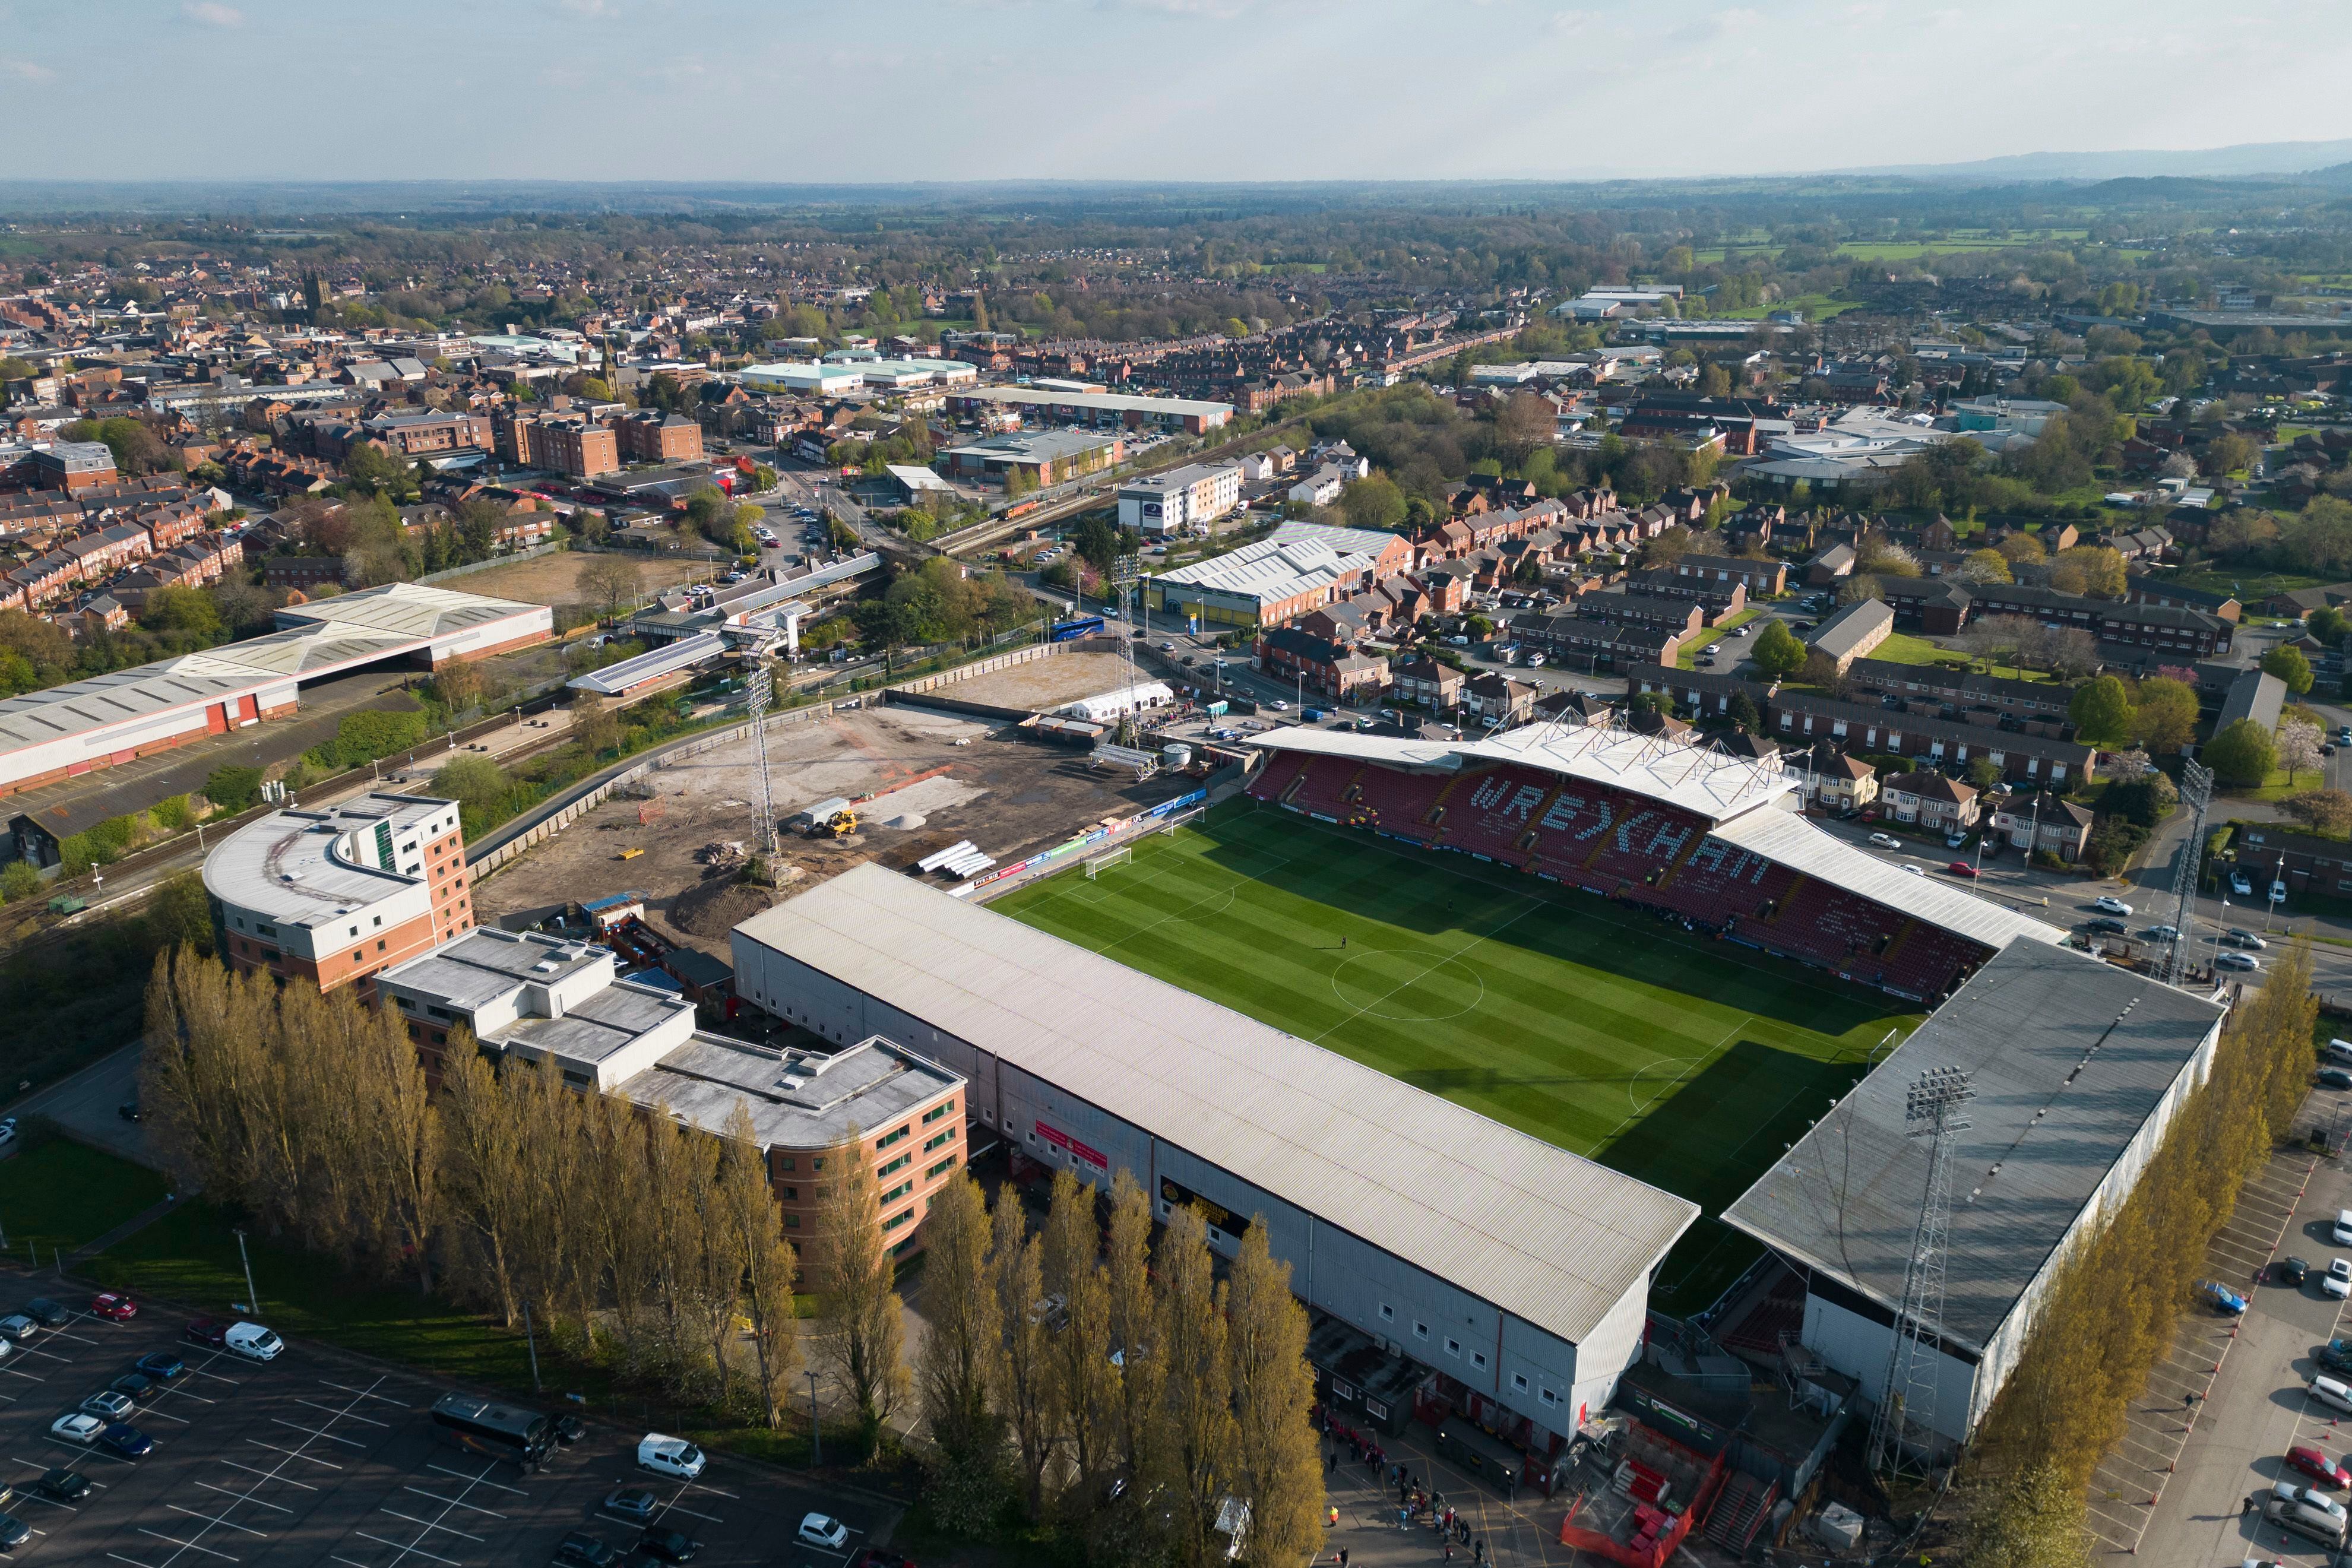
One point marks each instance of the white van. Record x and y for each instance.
(2340, 1052)
(2332, 1394)
(670, 1457)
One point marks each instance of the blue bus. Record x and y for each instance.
(1076, 626)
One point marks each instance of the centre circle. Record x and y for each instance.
(1408, 985)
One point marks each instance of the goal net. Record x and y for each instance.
(1119, 857)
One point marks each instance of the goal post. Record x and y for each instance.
(1119, 857)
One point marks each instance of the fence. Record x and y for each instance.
(549, 817)
(471, 567)
(1165, 816)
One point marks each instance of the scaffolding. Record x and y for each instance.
(2197, 794)
(1902, 1428)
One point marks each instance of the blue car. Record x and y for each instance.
(128, 1441)
(161, 1365)
(2221, 1297)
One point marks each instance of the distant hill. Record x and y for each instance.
(2252, 158)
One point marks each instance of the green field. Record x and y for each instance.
(1684, 1061)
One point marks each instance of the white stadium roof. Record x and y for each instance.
(1543, 1234)
(1698, 779)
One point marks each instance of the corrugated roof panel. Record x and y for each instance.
(1543, 1234)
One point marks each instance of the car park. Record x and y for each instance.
(111, 1304)
(253, 1342)
(2239, 961)
(670, 1457)
(824, 1529)
(1885, 841)
(2107, 903)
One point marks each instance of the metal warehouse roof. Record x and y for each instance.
(407, 609)
(1791, 840)
(1544, 1235)
(2070, 1057)
(1109, 402)
(1271, 569)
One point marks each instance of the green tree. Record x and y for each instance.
(1744, 714)
(1983, 772)
(1778, 652)
(2242, 754)
(2290, 666)
(2164, 714)
(1373, 503)
(2036, 1519)
(186, 610)
(2102, 713)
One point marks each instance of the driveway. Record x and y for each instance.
(86, 1105)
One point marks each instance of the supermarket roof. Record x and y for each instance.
(2069, 1057)
(1541, 1233)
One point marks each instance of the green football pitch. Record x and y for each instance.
(1688, 1062)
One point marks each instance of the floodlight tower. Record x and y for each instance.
(2197, 794)
(761, 693)
(1934, 1109)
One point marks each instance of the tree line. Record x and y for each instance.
(1112, 1390)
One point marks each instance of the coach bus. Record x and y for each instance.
(1077, 626)
(506, 1432)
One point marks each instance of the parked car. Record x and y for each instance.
(46, 1312)
(2106, 923)
(128, 1441)
(2337, 1282)
(161, 1365)
(2241, 886)
(200, 1331)
(1959, 868)
(76, 1427)
(2233, 937)
(62, 1486)
(111, 1304)
(2335, 1078)
(636, 1504)
(2311, 1462)
(582, 1549)
(2278, 892)
(670, 1457)
(2239, 961)
(253, 1342)
(2304, 1519)
(2107, 904)
(129, 1111)
(18, 1328)
(824, 1529)
(2332, 1394)
(666, 1545)
(2220, 1296)
(13, 1533)
(1954, 841)
(570, 1429)
(2336, 1355)
(2290, 1271)
(108, 1405)
(136, 1386)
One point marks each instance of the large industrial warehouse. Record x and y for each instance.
(70, 729)
(1519, 1269)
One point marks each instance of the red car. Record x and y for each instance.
(108, 1304)
(208, 1331)
(1959, 868)
(2319, 1467)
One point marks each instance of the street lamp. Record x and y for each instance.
(816, 1431)
(252, 1297)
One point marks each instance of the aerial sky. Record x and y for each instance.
(821, 91)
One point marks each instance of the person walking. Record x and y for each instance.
(1480, 1555)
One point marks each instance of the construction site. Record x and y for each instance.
(895, 783)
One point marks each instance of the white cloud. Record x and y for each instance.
(26, 70)
(213, 14)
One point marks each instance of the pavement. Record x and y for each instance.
(86, 1105)
(2223, 1407)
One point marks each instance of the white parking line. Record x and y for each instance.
(293, 1453)
(185, 1545)
(214, 1519)
(477, 1481)
(381, 1399)
(245, 1497)
(429, 1524)
(330, 1410)
(317, 1432)
(405, 1551)
(689, 1513)
(420, 1491)
(266, 1475)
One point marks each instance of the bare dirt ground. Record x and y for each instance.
(555, 578)
(1042, 684)
(1011, 797)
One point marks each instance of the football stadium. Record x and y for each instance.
(1739, 971)
(1524, 1052)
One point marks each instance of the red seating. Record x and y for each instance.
(1398, 803)
(1276, 776)
(1323, 787)
(1718, 884)
(1927, 961)
(1488, 813)
(1603, 839)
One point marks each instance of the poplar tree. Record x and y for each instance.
(1196, 1455)
(1127, 1281)
(953, 1364)
(859, 1313)
(488, 1175)
(1276, 1453)
(1086, 1381)
(1024, 1371)
(402, 1141)
(755, 1227)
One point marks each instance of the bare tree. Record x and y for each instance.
(2071, 653)
(613, 580)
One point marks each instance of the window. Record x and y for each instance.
(357, 957)
(1454, 1347)
(379, 920)
(1421, 1330)
(1549, 1398)
(883, 1143)
(1478, 1359)
(946, 1165)
(792, 1222)
(893, 1165)
(899, 1219)
(792, 1194)
(944, 1135)
(1376, 1410)
(355, 930)
(787, 1163)
(817, 1164)
(936, 1111)
(895, 1193)
(1519, 1381)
